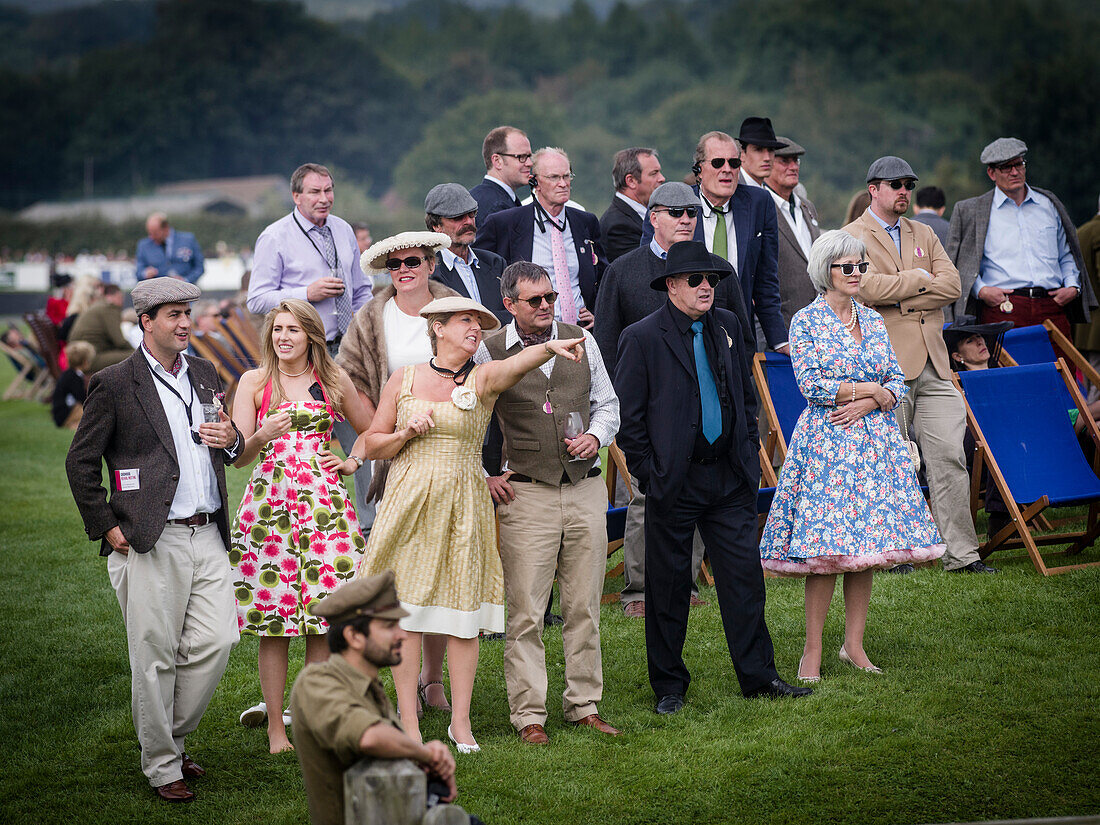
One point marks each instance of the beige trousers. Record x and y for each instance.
(181, 623)
(549, 529)
(936, 417)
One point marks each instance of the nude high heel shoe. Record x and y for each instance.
(844, 657)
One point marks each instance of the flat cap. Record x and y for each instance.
(150, 294)
(789, 149)
(890, 168)
(374, 596)
(373, 261)
(449, 200)
(673, 193)
(1002, 150)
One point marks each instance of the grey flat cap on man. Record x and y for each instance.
(890, 168)
(449, 200)
(673, 194)
(150, 294)
(789, 149)
(1003, 150)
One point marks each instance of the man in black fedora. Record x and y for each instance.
(758, 144)
(688, 428)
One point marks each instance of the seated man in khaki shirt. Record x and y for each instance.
(341, 711)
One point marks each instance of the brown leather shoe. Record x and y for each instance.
(175, 792)
(596, 723)
(697, 602)
(635, 610)
(534, 735)
(191, 768)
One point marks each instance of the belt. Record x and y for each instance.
(197, 520)
(595, 471)
(704, 462)
(1029, 292)
(334, 344)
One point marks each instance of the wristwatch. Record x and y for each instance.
(358, 461)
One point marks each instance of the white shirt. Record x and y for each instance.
(748, 179)
(406, 337)
(639, 208)
(542, 253)
(797, 221)
(710, 220)
(502, 185)
(465, 270)
(197, 490)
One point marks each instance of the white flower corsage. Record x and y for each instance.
(464, 398)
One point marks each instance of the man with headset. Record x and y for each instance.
(562, 240)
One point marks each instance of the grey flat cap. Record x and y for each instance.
(790, 149)
(150, 294)
(890, 168)
(673, 193)
(449, 200)
(1002, 150)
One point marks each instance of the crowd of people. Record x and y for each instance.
(481, 366)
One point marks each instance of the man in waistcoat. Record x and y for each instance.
(551, 505)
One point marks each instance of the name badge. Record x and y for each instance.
(127, 480)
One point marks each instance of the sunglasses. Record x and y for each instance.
(848, 269)
(897, 184)
(537, 300)
(718, 163)
(1008, 166)
(412, 262)
(678, 211)
(695, 279)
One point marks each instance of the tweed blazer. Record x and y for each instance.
(1087, 336)
(909, 301)
(124, 424)
(795, 289)
(966, 245)
(363, 352)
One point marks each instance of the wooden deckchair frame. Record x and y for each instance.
(1059, 341)
(616, 469)
(1018, 533)
(773, 443)
(22, 386)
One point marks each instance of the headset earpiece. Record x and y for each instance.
(532, 181)
(696, 169)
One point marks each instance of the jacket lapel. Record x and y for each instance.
(586, 271)
(981, 225)
(149, 399)
(523, 234)
(676, 341)
(883, 239)
(742, 222)
(787, 232)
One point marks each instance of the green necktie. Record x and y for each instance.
(721, 241)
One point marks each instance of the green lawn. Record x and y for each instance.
(988, 708)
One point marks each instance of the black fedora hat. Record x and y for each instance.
(966, 325)
(758, 131)
(688, 258)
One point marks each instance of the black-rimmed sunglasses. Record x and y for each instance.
(848, 269)
(678, 211)
(909, 185)
(718, 163)
(536, 301)
(696, 278)
(412, 262)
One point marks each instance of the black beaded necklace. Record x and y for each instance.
(459, 376)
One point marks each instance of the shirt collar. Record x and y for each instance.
(511, 334)
(154, 364)
(638, 208)
(1000, 197)
(449, 258)
(358, 680)
(709, 210)
(881, 222)
(784, 204)
(683, 322)
(305, 222)
(655, 248)
(502, 185)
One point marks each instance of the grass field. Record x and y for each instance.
(988, 709)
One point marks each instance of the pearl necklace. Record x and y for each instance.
(295, 374)
(851, 323)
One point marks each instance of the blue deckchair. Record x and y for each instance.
(781, 399)
(1035, 345)
(1024, 437)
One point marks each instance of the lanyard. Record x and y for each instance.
(186, 405)
(309, 238)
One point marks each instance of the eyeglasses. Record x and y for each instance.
(536, 301)
(696, 278)
(1009, 165)
(558, 178)
(848, 269)
(909, 185)
(472, 215)
(521, 158)
(678, 211)
(412, 262)
(718, 163)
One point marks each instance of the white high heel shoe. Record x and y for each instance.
(806, 680)
(462, 747)
(844, 657)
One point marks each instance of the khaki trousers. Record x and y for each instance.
(181, 623)
(547, 529)
(936, 418)
(634, 551)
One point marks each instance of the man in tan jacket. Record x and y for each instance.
(910, 281)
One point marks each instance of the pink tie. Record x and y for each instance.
(561, 276)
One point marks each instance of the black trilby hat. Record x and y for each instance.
(688, 258)
(758, 131)
(966, 325)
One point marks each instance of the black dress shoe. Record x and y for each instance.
(552, 619)
(975, 567)
(777, 689)
(901, 569)
(670, 703)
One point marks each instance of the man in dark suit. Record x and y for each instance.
(738, 223)
(507, 155)
(562, 240)
(688, 428)
(474, 273)
(164, 529)
(636, 172)
(930, 203)
(798, 229)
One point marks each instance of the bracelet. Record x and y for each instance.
(358, 461)
(546, 347)
(853, 391)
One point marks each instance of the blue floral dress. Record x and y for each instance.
(847, 500)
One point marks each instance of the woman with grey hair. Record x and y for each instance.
(847, 500)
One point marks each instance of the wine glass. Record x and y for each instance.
(573, 427)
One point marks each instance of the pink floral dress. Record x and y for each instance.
(296, 536)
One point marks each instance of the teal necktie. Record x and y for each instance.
(708, 392)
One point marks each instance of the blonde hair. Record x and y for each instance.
(433, 319)
(328, 374)
(85, 292)
(80, 354)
